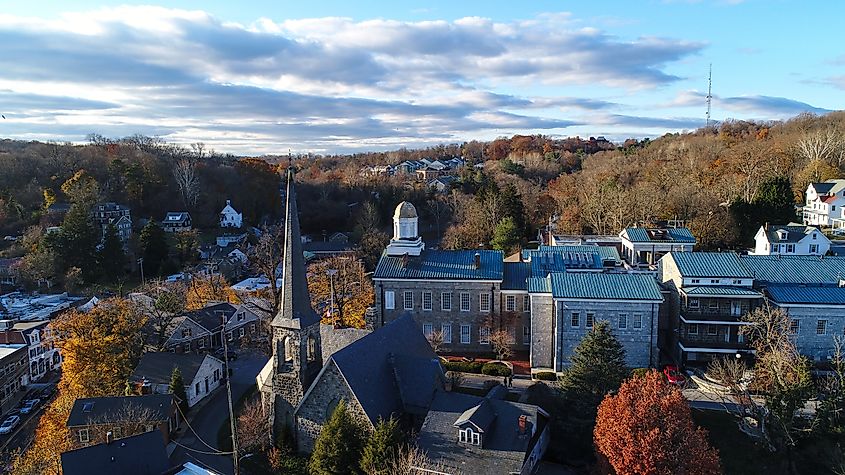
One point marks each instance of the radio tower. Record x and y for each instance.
(709, 95)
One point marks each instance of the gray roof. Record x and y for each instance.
(481, 416)
(829, 186)
(95, 410)
(142, 454)
(333, 339)
(503, 450)
(391, 370)
(442, 265)
(295, 310)
(515, 275)
(793, 233)
(209, 317)
(157, 367)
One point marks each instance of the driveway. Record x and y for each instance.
(208, 419)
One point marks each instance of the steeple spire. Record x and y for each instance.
(295, 310)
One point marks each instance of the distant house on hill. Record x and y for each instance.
(176, 221)
(824, 202)
(116, 214)
(229, 218)
(795, 240)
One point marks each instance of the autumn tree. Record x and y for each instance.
(203, 289)
(372, 239)
(253, 427)
(647, 428)
(353, 290)
(265, 258)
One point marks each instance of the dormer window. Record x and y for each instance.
(469, 436)
(781, 235)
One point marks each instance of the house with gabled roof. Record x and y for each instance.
(645, 246)
(141, 454)
(823, 202)
(176, 221)
(229, 218)
(92, 419)
(202, 374)
(790, 239)
(202, 329)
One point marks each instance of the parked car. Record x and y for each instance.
(29, 405)
(674, 375)
(10, 423)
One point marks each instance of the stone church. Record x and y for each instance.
(392, 372)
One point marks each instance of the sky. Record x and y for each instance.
(329, 76)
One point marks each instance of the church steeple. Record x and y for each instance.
(295, 310)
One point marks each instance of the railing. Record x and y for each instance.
(716, 342)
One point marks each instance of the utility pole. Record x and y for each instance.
(229, 396)
(141, 266)
(709, 93)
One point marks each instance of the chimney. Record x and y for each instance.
(523, 424)
(477, 260)
(228, 202)
(109, 437)
(404, 260)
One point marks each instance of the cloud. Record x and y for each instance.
(768, 106)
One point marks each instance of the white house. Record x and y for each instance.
(645, 246)
(795, 240)
(229, 218)
(202, 374)
(824, 202)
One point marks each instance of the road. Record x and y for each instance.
(23, 434)
(210, 417)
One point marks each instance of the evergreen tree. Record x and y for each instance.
(381, 447)
(111, 256)
(506, 236)
(153, 247)
(177, 388)
(338, 449)
(76, 243)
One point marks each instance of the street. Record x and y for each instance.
(22, 436)
(210, 417)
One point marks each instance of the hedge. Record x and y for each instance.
(464, 366)
(545, 376)
(495, 369)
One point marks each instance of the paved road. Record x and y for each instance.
(210, 417)
(22, 436)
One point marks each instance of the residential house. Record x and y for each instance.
(823, 202)
(91, 420)
(141, 454)
(442, 184)
(229, 218)
(38, 336)
(330, 245)
(176, 221)
(790, 240)
(105, 214)
(202, 374)
(13, 374)
(566, 305)
(487, 434)
(9, 271)
(390, 372)
(201, 330)
(645, 246)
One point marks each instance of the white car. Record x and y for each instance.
(29, 405)
(10, 423)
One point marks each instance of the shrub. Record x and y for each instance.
(464, 366)
(495, 369)
(545, 376)
(639, 372)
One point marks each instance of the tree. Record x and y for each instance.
(353, 291)
(338, 448)
(166, 301)
(382, 446)
(266, 258)
(76, 243)
(253, 426)
(436, 340)
(597, 366)
(203, 289)
(832, 410)
(110, 256)
(177, 388)
(81, 189)
(501, 341)
(647, 428)
(153, 247)
(506, 236)
(185, 174)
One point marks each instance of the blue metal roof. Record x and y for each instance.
(606, 253)
(709, 264)
(679, 235)
(539, 285)
(516, 275)
(796, 269)
(605, 286)
(797, 294)
(718, 290)
(442, 265)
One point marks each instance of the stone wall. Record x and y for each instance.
(542, 331)
(809, 342)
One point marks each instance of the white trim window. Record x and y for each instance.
(575, 320)
(590, 320)
(408, 300)
(623, 321)
(484, 335)
(389, 300)
(484, 302)
(693, 304)
(241, 331)
(201, 343)
(638, 321)
(510, 303)
(465, 302)
(821, 327)
(446, 301)
(426, 301)
(84, 436)
(466, 332)
(526, 303)
(794, 326)
(526, 335)
(428, 329)
(446, 330)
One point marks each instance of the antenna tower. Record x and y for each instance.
(709, 94)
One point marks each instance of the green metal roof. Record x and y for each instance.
(720, 291)
(539, 285)
(604, 286)
(606, 253)
(795, 269)
(442, 265)
(709, 264)
(679, 235)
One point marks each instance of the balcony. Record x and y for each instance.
(713, 344)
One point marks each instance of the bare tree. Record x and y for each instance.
(266, 258)
(436, 340)
(501, 341)
(826, 145)
(253, 426)
(413, 461)
(161, 303)
(185, 174)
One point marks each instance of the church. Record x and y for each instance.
(391, 372)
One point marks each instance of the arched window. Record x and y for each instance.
(288, 348)
(312, 348)
(331, 407)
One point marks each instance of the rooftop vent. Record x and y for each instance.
(477, 260)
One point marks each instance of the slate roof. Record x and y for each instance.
(442, 265)
(793, 233)
(829, 186)
(503, 449)
(158, 366)
(209, 317)
(798, 294)
(391, 370)
(176, 217)
(295, 310)
(709, 264)
(515, 275)
(679, 235)
(107, 409)
(720, 291)
(606, 286)
(333, 339)
(795, 269)
(481, 416)
(142, 454)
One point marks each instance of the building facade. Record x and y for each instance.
(105, 214)
(790, 240)
(823, 203)
(645, 246)
(229, 218)
(13, 375)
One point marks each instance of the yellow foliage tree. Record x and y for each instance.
(353, 290)
(204, 289)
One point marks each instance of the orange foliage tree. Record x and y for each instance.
(647, 429)
(353, 290)
(203, 289)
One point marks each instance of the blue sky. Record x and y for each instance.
(335, 76)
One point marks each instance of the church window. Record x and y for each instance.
(312, 348)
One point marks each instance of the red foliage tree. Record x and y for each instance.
(647, 429)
